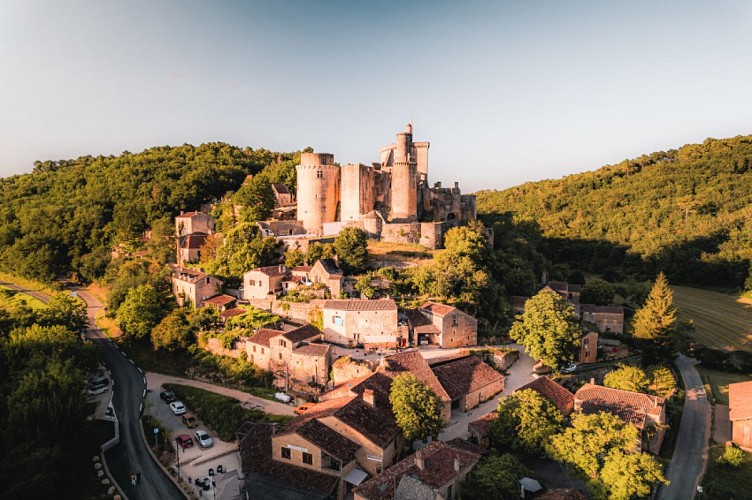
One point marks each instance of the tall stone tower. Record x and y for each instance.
(407, 163)
(318, 190)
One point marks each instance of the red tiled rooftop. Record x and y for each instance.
(630, 406)
(220, 300)
(327, 439)
(270, 270)
(466, 376)
(412, 361)
(590, 308)
(235, 311)
(313, 349)
(302, 333)
(187, 215)
(436, 308)
(361, 305)
(264, 335)
(740, 401)
(558, 395)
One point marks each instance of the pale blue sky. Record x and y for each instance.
(505, 91)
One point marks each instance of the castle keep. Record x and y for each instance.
(390, 200)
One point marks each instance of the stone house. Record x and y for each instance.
(436, 472)
(569, 292)
(605, 318)
(282, 195)
(193, 287)
(327, 272)
(221, 302)
(280, 229)
(451, 327)
(468, 382)
(354, 322)
(740, 414)
(555, 393)
(646, 412)
(189, 247)
(480, 429)
(193, 222)
(588, 347)
(261, 282)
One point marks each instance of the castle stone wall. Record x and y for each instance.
(358, 191)
(318, 190)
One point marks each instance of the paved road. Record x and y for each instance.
(691, 452)
(131, 454)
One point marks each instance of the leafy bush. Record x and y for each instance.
(733, 456)
(222, 414)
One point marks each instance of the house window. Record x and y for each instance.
(283, 343)
(280, 356)
(262, 350)
(286, 453)
(329, 462)
(584, 341)
(449, 491)
(254, 348)
(251, 282)
(207, 280)
(319, 174)
(337, 320)
(307, 458)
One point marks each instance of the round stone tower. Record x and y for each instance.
(318, 190)
(404, 178)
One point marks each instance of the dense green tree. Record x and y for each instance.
(173, 332)
(65, 310)
(662, 381)
(549, 329)
(140, 312)
(656, 320)
(257, 199)
(254, 319)
(576, 278)
(244, 249)
(351, 246)
(598, 292)
(628, 475)
(627, 378)
(526, 422)
(495, 477)
(294, 258)
(733, 456)
(318, 251)
(416, 408)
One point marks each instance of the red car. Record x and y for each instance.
(184, 440)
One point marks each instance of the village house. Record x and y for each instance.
(262, 282)
(193, 222)
(189, 247)
(221, 302)
(299, 361)
(436, 471)
(442, 325)
(480, 429)
(193, 287)
(740, 414)
(328, 272)
(555, 393)
(588, 347)
(468, 382)
(607, 319)
(646, 412)
(355, 322)
(282, 196)
(569, 292)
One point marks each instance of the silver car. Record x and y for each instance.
(204, 439)
(177, 408)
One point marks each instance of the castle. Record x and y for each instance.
(390, 200)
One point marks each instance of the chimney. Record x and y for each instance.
(182, 212)
(420, 461)
(456, 463)
(592, 381)
(368, 397)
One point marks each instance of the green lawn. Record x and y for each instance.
(719, 382)
(720, 320)
(727, 483)
(12, 299)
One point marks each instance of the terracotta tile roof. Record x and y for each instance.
(193, 241)
(591, 308)
(235, 311)
(465, 376)
(558, 286)
(562, 494)
(301, 269)
(436, 308)
(740, 401)
(190, 275)
(413, 361)
(313, 349)
(482, 426)
(255, 450)
(361, 305)
(558, 395)
(187, 215)
(302, 333)
(419, 322)
(220, 300)
(380, 383)
(264, 335)
(438, 469)
(327, 439)
(375, 422)
(630, 406)
(271, 270)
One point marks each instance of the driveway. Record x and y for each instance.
(691, 452)
(518, 375)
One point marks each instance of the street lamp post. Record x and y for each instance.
(177, 455)
(211, 478)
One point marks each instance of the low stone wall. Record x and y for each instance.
(298, 312)
(504, 360)
(348, 370)
(214, 346)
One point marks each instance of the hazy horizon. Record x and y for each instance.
(505, 92)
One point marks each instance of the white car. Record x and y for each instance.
(570, 368)
(204, 439)
(177, 408)
(95, 389)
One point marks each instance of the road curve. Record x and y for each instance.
(131, 455)
(691, 451)
(128, 388)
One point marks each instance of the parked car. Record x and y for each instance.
(281, 396)
(100, 381)
(95, 389)
(300, 409)
(204, 439)
(190, 421)
(570, 368)
(168, 396)
(184, 440)
(177, 408)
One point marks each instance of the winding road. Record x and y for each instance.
(129, 386)
(691, 451)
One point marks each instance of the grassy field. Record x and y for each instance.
(719, 382)
(383, 253)
(728, 483)
(720, 320)
(11, 299)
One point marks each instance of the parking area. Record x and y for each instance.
(194, 461)
(99, 391)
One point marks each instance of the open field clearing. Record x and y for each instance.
(719, 382)
(720, 320)
(399, 255)
(11, 299)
